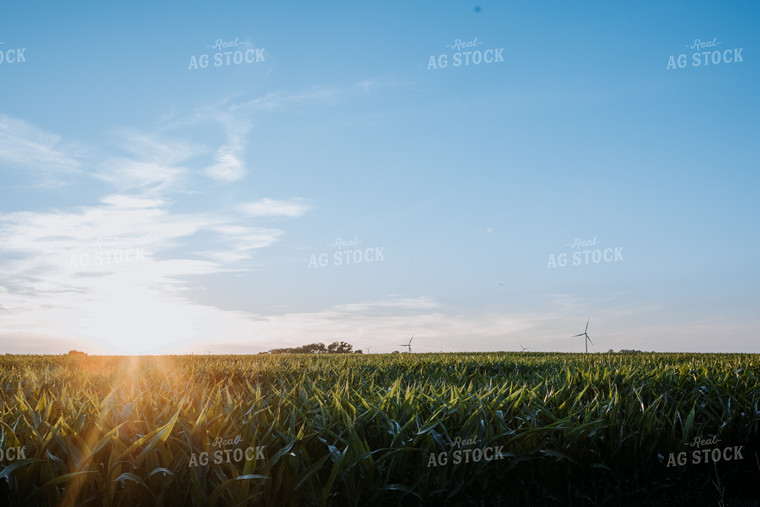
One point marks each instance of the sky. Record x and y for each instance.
(204, 177)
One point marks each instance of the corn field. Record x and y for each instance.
(400, 429)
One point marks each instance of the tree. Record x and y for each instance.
(317, 348)
(313, 348)
(340, 348)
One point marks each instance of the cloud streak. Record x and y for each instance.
(292, 208)
(29, 147)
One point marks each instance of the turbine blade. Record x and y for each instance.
(589, 339)
(589, 320)
(576, 335)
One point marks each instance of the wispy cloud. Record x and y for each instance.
(118, 270)
(281, 100)
(127, 174)
(157, 146)
(238, 242)
(369, 85)
(31, 148)
(273, 101)
(229, 159)
(150, 163)
(229, 164)
(126, 201)
(228, 167)
(394, 304)
(266, 207)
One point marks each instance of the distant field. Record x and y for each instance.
(419, 429)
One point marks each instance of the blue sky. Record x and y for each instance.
(147, 206)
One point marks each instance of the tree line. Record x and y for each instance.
(339, 347)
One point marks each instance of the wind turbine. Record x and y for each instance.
(523, 349)
(408, 345)
(585, 333)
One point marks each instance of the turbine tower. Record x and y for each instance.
(408, 345)
(587, 340)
